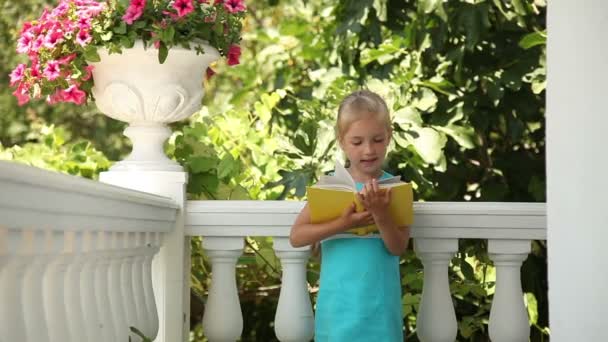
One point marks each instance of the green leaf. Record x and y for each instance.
(407, 116)
(426, 100)
(228, 166)
(163, 52)
(464, 135)
(467, 269)
(121, 28)
(428, 6)
(91, 55)
(107, 36)
(533, 39)
(386, 52)
(202, 164)
(532, 306)
(429, 144)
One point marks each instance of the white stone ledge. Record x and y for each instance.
(32, 198)
(475, 220)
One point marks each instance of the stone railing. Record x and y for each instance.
(75, 257)
(508, 227)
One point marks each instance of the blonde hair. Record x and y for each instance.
(360, 104)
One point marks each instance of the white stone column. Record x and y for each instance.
(577, 216)
(223, 318)
(508, 316)
(436, 320)
(168, 268)
(294, 320)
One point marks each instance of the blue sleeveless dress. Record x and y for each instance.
(359, 299)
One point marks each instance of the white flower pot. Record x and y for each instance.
(134, 87)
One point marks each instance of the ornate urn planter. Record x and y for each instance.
(134, 87)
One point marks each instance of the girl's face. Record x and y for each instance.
(365, 142)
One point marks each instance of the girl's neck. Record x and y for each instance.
(361, 177)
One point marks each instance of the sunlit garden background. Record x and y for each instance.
(466, 84)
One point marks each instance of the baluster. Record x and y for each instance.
(53, 290)
(12, 325)
(126, 281)
(223, 318)
(92, 314)
(102, 290)
(153, 241)
(72, 254)
(508, 316)
(436, 321)
(35, 320)
(137, 280)
(121, 329)
(294, 320)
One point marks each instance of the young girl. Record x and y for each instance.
(360, 294)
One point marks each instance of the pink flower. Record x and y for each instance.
(53, 38)
(60, 10)
(233, 54)
(83, 37)
(234, 6)
(57, 96)
(135, 10)
(17, 74)
(67, 59)
(210, 72)
(22, 94)
(171, 15)
(74, 94)
(52, 70)
(24, 42)
(183, 7)
(88, 72)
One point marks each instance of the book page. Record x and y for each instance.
(341, 180)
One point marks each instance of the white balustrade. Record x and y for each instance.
(75, 257)
(510, 227)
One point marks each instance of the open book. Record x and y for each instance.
(332, 194)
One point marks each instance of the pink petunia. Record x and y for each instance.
(22, 94)
(74, 94)
(53, 38)
(57, 96)
(234, 53)
(84, 37)
(52, 70)
(88, 72)
(24, 43)
(183, 7)
(17, 74)
(67, 59)
(135, 11)
(234, 6)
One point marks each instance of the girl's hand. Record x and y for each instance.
(375, 200)
(351, 219)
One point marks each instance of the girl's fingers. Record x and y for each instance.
(375, 185)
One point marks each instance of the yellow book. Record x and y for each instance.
(328, 199)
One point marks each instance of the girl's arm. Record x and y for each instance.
(396, 238)
(303, 232)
